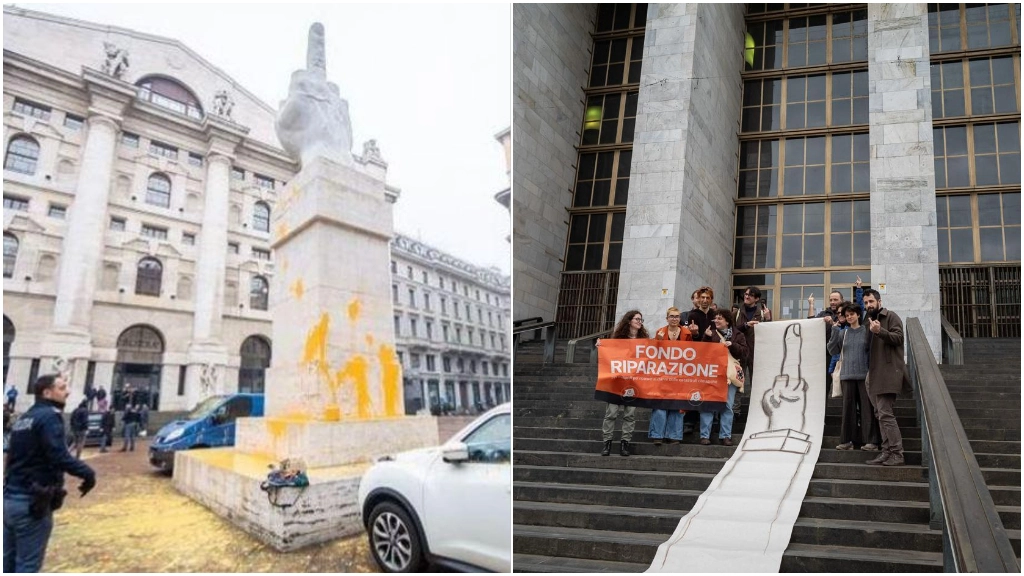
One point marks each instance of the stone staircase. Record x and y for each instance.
(986, 390)
(575, 511)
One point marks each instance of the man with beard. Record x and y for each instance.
(887, 375)
(37, 459)
(700, 317)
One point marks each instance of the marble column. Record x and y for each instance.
(82, 248)
(904, 244)
(207, 347)
(680, 215)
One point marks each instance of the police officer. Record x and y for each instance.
(37, 459)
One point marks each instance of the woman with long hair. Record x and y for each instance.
(854, 343)
(667, 425)
(722, 330)
(630, 326)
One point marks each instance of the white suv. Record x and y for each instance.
(450, 505)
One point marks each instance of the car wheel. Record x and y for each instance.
(393, 539)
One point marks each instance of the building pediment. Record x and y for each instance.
(20, 222)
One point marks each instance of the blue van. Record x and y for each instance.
(211, 424)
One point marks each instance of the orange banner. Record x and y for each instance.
(663, 374)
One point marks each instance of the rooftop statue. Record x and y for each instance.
(313, 122)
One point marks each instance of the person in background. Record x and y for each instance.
(700, 316)
(12, 397)
(80, 426)
(101, 399)
(630, 326)
(667, 425)
(129, 428)
(107, 424)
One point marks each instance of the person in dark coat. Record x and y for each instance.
(80, 426)
(37, 459)
(887, 375)
(129, 427)
(723, 331)
(107, 424)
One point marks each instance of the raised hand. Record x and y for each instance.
(708, 332)
(875, 326)
(860, 283)
(313, 122)
(810, 299)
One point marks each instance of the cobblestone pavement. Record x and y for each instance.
(135, 521)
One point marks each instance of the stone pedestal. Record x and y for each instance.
(333, 394)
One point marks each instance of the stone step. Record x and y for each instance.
(903, 419)
(531, 563)
(634, 548)
(867, 489)
(821, 531)
(684, 464)
(828, 442)
(815, 507)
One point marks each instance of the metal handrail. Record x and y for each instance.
(973, 537)
(518, 323)
(952, 344)
(549, 329)
(570, 351)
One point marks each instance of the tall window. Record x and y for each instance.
(597, 214)
(259, 290)
(261, 217)
(802, 208)
(975, 56)
(255, 354)
(149, 276)
(10, 254)
(158, 190)
(22, 155)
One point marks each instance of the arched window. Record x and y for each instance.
(158, 190)
(22, 155)
(259, 290)
(255, 361)
(10, 254)
(169, 94)
(261, 217)
(149, 276)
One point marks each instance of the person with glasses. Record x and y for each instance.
(667, 425)
(750, 314)
(630, 326)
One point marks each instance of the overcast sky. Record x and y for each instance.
(432, 83)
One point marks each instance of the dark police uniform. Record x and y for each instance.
(37, 459)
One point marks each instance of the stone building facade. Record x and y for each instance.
(789, 147)
(139, 186)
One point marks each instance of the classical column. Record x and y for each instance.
(904, 245)
(213, 242)
(82, 248)
(207, 356)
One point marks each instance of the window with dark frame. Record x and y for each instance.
(27, 108)
(10, 254)
(158, 190)
(259, 291)
(149, 276)
(22, 155)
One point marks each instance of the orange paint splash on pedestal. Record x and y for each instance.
(353, 310)
(316, 347)
(356, 371)
(391, 378)
(298, 289)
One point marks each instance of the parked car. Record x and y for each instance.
(450, 505)
(211, 424)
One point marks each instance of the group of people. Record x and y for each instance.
(865, 347)
(134, 420)
(706, 322)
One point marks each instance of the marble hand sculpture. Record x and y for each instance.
(313, 122)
